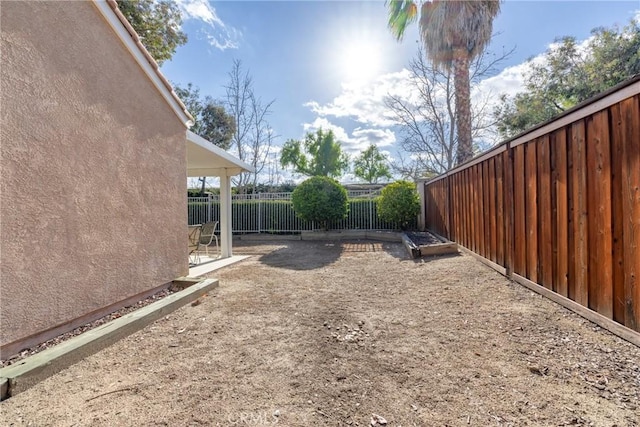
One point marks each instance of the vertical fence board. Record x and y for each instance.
(599, 203)
(452, 210)
(630, 110)
(484, 188)
(531, 211)
(509, 226)
(460, 208)
(470, 197)
(554, 210)
(444, 213)
(433, 213)
(545, 246)
(473, 238)
(456, 209)
(434, 208)
(500, 244)
(481, 212)
(467, 201)
(561, 269)
(477, 220)
(461, 216)
(520, 225)
(437, 207)
(455, 212)
(571, 272)
(449, 212)
(485, 206)
(467, 207)
(617, 141)
(493, 233)
(579, 195)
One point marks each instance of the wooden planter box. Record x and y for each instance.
(442, 247)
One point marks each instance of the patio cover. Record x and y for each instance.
(206, 159)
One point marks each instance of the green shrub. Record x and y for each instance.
(320, 199)
(399, 203)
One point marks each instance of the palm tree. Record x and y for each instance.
(454, 32)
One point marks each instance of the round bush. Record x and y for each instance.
(320, 199)
(399, 203)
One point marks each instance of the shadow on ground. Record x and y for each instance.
(295, 256)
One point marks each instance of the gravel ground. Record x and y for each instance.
(358, 334)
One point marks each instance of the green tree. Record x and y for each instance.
(371, 165)
(158, 24)
(569, 74)
(399, 203)
(454, 32)
(321, 199)
(318, 155)
(211, 120)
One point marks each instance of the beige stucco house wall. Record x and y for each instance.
(93, 172)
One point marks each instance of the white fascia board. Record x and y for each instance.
(234, 161)
(199, 172)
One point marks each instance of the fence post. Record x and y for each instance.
(259, 213)
(209, 207)
(449, 234)
(370, 210)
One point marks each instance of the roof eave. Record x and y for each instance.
(234, 166)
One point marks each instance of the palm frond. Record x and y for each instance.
(401, 14)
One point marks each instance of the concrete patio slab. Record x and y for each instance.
(211, 264)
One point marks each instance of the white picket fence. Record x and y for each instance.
(273, 213)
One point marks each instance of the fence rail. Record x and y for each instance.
(273, 213)
(559, 206)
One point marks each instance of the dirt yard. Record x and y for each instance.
(321, 334)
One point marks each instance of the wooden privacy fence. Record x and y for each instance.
(558, 206)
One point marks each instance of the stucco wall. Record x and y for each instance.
(93, 207)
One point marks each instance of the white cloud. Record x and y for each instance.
(364, 103)
(510, 81)
(217, 33)
(359, 139)
(320, 122)
(200, 9)
(379, 137)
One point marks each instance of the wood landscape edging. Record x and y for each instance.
(26, 373)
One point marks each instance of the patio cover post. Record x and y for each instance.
(225, 216)
(207, 159)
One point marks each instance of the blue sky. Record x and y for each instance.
(330, 63)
